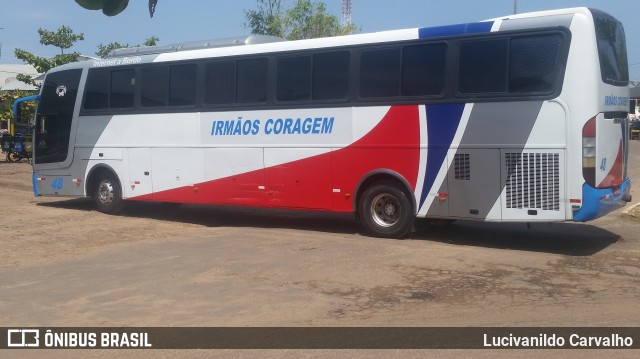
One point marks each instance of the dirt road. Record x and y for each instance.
(64, 264)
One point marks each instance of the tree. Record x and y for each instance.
(7, 98)
(268, 19)
(63, 39)
(305, 20)
(104, 50)
(113, 7)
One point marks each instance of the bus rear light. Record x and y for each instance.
(41, 179)
(589, 152)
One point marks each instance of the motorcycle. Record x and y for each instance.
(17, 147)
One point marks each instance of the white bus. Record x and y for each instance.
(519, 118)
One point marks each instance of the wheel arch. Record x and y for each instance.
(93, 174)
(383, 175)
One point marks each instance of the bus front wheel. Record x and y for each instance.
(107, 194)
(386, 211)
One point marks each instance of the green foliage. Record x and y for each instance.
(305, 20)
(63, 39)
(151, 41)
(7, 98)
(268, 19)
(104, 50)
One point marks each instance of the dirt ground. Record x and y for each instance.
(64, 264)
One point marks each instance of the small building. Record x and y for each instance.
(8, 73)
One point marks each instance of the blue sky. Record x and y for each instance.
(185, 20)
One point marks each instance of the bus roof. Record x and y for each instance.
(256, 44)
(194, 45)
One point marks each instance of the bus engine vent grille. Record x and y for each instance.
(462, 168)
(533, 181)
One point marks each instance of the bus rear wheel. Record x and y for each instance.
(386, 211)
(107, 194)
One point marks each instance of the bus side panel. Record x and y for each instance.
(240, 173)
(139, 176)
(176, 168)
(393, 146)
(298, 184)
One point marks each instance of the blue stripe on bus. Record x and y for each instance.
(34, 180)
(598, 202)
(443, 120)
(452, 30)
(442, 123)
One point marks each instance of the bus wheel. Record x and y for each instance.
(107, 194)
(386, 211)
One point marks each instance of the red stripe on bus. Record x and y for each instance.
(394, 144)
(614, 177)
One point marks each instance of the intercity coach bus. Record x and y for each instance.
(520, 118)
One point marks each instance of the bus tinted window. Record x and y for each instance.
(155, 83)
(182, 88)
(612, 49)
(122, 88)
(220, 83)
(423, 70)
(483, 66)
(252, 81)
(533, 63)
(294, 78)
(380, 73)
(331, 76)
(97, 90)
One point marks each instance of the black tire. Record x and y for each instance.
(385, 211)
(107, 194)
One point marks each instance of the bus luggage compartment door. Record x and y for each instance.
(474, 184)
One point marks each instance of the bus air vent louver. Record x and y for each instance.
(533, 181)
(462, 169)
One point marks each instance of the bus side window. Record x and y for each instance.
(423, 70)
(294, 78)
(97, 90)
(122, 88)
(220, 83)
(534, 63)
(380, 73)
(331, 76)
(252, 81)
(155, 86)
(483, 66)
(182, 88)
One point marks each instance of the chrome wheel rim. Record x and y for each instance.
(385, 210)
(105, 193)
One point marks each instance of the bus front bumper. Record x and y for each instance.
(598, 202)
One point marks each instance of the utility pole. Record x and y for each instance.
(515, 7)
